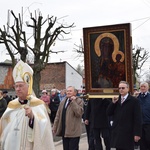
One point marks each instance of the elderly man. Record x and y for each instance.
(144, 99)
(25, 124)
(67, 122)
(126, 112)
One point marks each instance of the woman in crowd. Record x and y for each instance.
(54, 103)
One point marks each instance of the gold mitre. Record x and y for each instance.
(22, 72)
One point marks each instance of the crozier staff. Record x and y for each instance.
(25, 124)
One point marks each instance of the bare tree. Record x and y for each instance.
(79, 49)
(139, 57)
(16, 40)
(80, 53)
(80, 69)
(148, 76)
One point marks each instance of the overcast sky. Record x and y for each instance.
(86, 13)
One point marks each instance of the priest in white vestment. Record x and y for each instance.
(25, 124)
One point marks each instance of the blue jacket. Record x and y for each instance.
(145, 107)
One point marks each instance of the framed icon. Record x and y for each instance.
(107, 58)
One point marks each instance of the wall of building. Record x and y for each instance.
(73, 78)
(53, 76)
(6, 80)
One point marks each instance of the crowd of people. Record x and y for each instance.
(28, 122)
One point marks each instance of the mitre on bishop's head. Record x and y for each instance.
(22, 72)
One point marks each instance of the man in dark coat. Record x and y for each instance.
(89, 131)
(54, 104)
(3, 104)
(7, 98)
(99, 124)
(144, 99)
(126, 128)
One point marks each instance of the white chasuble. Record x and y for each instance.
(16, 133)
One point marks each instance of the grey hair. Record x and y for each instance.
(144, 83)
(75, 90)
(124, 82)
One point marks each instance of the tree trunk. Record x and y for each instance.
(36, 83)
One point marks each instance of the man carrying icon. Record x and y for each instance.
(126, 113)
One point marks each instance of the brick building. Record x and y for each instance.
(6, 79)
(59, 75)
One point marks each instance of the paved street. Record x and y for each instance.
(82, 145)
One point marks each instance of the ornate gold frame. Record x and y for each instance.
(107, 58)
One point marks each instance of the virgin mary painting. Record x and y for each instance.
(109, 58)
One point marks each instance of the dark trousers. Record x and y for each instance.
(90, 137)
(105, 133)
(145, 139)
(124, 149)
(52, 116)
(71, 143)
(120, 149)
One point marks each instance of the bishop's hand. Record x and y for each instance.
(28, 111)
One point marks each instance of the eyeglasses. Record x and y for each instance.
(121, 88)
(19, 86)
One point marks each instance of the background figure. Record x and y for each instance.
(54, 104)
(144, 99)
(62, 94)
(85, 103)
(90, 136)
(99, 123)
(3, 104)
(45, 97)
(126, 112)
(25, 123)
(68, 120)
(7, 98)
(89, 131)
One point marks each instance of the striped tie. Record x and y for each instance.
(122, 100)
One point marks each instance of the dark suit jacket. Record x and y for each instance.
(54, 102)
(96, 113)
(126, 122)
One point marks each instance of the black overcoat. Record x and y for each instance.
(126, 122)
(3, 106)
(54, 102)
(96, 112)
